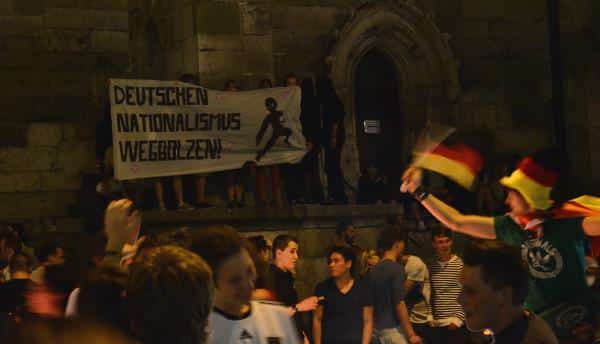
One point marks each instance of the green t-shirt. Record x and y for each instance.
(555, 261)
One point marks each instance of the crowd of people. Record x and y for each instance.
(214, 285)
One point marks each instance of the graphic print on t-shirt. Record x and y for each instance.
(543, 259)
(245, 335)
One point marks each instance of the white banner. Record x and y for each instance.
(163, 128)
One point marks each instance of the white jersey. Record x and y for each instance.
(265, 324)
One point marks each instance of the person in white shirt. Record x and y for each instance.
(418, 293)
(235, 318)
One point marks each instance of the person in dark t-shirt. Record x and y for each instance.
(345, 313)
(390, 315)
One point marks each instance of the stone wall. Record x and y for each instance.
(55, 58)
(493, 78)
(502, 48)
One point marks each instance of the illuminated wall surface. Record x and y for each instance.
(478, 65)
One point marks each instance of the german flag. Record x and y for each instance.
(582, 206)
(458, 162)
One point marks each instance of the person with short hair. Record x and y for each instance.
(418, 295)
(49, 254)
(12, 292)
(390, 316)
(261, 248)
(101, 297)
(345, 235)
(495, 285)
(445, 270)
(345, 313)
(281, 273)
(235, 318)
(169, 295)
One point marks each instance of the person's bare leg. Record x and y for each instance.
(239, 194)
(160, 195)
(201, 190)
(178, 188)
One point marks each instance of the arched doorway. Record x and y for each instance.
(424, 67)
(378, 112)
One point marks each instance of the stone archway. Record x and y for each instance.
(424, 63)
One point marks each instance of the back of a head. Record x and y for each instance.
(501, 266)
(217, 243)
(389, 236)
(281, 242)
(19, 262)
(101, 296)
(10, 237)
(170, 294)
(259, 243)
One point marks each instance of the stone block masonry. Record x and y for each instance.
(55, 59)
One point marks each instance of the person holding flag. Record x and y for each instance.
(551, 238)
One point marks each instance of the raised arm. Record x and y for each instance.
(476, 226)
(367, 324)
(481, 227)
(402, 314)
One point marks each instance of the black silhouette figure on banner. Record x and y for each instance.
(274, 119)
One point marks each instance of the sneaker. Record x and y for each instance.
(185, 207)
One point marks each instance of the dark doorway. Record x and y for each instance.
(377, 101)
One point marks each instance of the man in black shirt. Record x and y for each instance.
(495, 284)
(345, 316)
(285, 256)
